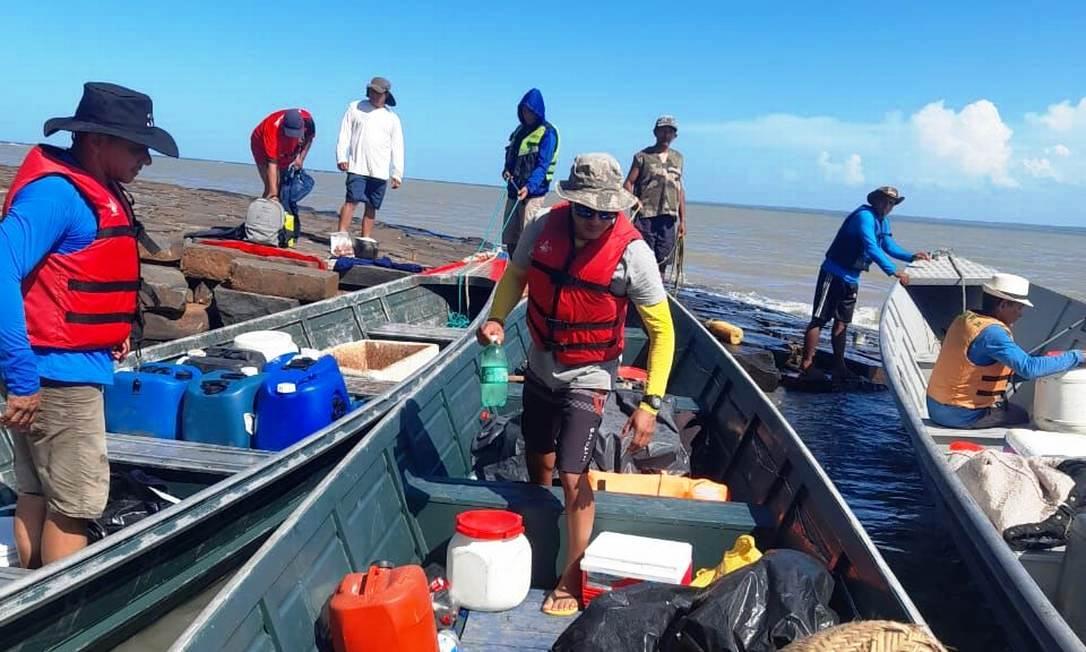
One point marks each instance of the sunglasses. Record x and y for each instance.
(586, 213)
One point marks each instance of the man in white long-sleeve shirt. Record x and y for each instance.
(370, 151)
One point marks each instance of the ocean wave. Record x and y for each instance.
(865, 316)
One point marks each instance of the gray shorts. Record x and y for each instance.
(513, 226)
(63, 456)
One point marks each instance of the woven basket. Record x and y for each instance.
(869, 636)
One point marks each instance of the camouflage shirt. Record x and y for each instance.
(658, 183)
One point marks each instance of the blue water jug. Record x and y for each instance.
(148, 400)
(220, 408)
(297, 399)
(225, 357)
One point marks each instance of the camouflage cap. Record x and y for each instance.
(886, 191)
(667, 121)
(595, 180)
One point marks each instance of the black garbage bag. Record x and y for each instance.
(632, 619)
(498, 451)
(132, 498)
(668, 452)
(781, 598)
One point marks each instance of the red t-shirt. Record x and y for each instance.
(269, 141)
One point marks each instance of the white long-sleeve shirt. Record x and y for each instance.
(371, 141)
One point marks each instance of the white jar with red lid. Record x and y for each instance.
(489, 561)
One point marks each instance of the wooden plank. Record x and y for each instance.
(183, 455)
(402, 331)
(523, 627)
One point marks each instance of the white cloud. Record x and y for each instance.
(1040, 168)
(1062, 151)
(1061, 117)
(850, 172)
(975, 140)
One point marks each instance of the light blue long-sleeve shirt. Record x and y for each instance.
(47, 216)
(992, 345)
(867, 227)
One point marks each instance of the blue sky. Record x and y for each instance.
(975, 111)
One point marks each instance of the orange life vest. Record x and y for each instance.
(955, 380)
(84, 300)
(571, 310)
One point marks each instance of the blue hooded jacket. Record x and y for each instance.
(537, 181)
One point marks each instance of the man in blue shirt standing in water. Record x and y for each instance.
(865, 237)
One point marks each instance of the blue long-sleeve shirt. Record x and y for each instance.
(992, 345)
(47, 216)
(866, 228)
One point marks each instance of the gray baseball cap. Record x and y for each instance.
(382, 85)
(595, 180)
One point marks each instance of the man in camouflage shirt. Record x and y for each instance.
(655, 178)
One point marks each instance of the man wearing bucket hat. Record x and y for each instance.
(978, 357)
(583, 264)
(370, 151)
(865, 237)
(69, 276)
(281, 141)
(656, 179)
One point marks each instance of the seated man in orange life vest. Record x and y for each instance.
(979, 357)
(583, 263)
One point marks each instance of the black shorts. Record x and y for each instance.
(834, 299)
(565, 421)
(365, 190)
(659, 234)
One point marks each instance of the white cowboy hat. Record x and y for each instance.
(1010, 287)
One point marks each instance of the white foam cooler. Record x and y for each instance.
(615, 560)
(271, 344)
(1040, 442)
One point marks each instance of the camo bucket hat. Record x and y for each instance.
(595, 180)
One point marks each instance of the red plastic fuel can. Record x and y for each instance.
(384, 609)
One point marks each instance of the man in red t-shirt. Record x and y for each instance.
(281, 140)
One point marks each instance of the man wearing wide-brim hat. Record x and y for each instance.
(978, 357)
(583, 264)
(864, 237)
(69, 277)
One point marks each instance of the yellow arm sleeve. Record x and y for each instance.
(509, 291)
(661, 332)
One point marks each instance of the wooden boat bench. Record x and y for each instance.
(711, 527)
(138, 450)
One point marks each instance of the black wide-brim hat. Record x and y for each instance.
(115, 111)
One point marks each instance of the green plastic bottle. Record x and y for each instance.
(494, 376)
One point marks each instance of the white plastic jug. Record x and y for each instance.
(1059, 402)
(489, 560)
(270, 343)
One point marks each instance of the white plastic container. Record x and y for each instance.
(615, 560)
(489, 560)
(1059, 402)
(1038, 442)
(270, 343)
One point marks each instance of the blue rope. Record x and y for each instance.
(460, 319)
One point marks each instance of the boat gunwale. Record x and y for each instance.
(1007, 570)
(61, 577)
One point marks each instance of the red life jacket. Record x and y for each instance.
(571, 310)
(84, 300)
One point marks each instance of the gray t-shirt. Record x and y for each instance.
(636, 277)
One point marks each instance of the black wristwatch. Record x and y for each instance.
(653, 401)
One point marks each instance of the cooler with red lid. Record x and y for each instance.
(383, 609)
(489, 560)
(615, 560)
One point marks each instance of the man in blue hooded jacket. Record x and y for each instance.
(863, 238)
(530, 159)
